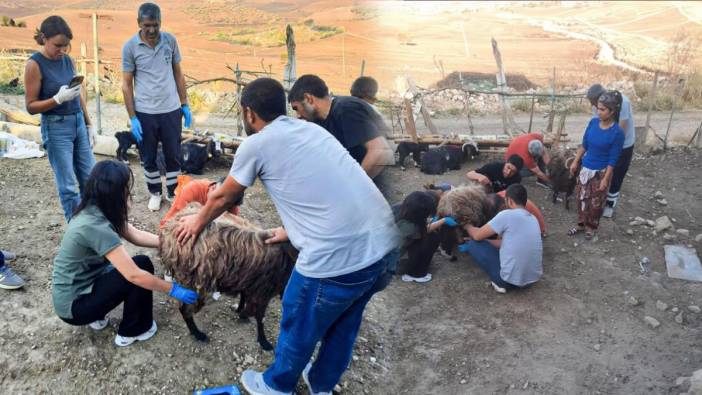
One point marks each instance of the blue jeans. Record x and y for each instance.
(487, 257)
(326, 309)
(66, 142)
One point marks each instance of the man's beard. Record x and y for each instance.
(311, 113)
(249, 129)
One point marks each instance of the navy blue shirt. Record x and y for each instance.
(54, 74)
(602, 146)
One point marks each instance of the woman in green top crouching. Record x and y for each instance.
(93, 273)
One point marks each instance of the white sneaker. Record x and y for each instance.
(123, 341)
(608, 212)
(255, 385)
(305, 377)
(155, 202)
(497, 288)
(99, 324)
(407, 278)
(443, 253)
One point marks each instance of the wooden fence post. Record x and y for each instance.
(96, 70)
(531, 114)
(652, 99)
(291, 66)
(507, 118)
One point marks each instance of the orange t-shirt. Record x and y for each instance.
(531, 207)
(520, 146)
(193, 191)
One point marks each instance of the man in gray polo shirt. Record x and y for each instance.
(154, 92)
(333, 214)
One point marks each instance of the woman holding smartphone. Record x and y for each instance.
(66, 131)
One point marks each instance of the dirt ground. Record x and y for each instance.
(574, 332)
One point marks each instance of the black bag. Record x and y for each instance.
(195, 156)
(434, 161)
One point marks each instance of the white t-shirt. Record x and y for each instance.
(333, 213)
(521, 249)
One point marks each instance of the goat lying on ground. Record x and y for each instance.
(559, 172)
(408, 148)
(229, 256)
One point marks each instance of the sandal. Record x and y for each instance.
(589, 234)
(575, 231)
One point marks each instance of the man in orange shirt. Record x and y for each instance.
(530, 147)
(498, 200)
(196, 191)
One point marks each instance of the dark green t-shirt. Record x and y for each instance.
(81, 258)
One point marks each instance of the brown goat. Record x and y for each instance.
(559, 172)
(229, 256)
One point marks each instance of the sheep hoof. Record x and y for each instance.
(201, 337)
(265, 345)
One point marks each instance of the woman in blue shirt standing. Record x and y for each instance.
(600, 150)
(66, 131)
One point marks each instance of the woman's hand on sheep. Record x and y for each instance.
(183, 294)
(277, 235)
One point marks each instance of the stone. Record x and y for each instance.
(629, 232)
(662, 202)
(674, 309)
(683, 232)
(698, 238)
(633, 301)
(663, 223)
(372, 359)
(337, 388)
(248, 359)
(635, 223)
(463, 381)
(597, 347)
(694, 309)
(668, 237)
(658, 195)
(639, 219)
(650, 223)
(679, 318)
(652, 322)
(661, 305)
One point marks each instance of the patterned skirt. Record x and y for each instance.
(591, 202)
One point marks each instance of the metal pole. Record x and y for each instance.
(96, 70)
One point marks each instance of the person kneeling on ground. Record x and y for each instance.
(514, 260)
(419, 240)
(496, 176)
(530, 147)
(8, 278)
(197, 191)
(93, 273)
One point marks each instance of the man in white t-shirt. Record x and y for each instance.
(333, 214)
(515, 259)
(626, 122)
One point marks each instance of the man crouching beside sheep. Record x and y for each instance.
(332, 213)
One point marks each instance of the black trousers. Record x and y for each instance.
(419, 254)
(164, 128)
(111, 289)
(618, 175)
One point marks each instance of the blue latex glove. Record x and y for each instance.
(434, 218)
(136, 129)
(463, 247)
(183, 294)
(450, 221)
(443, 186)
(187, 115)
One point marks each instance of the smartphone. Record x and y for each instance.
(77, 80)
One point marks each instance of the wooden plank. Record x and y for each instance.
(290, 67)
(508, 122)
(422, 108)
(409, 121)
(642, 137)
(17, 115)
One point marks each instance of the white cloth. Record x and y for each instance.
(17, 148)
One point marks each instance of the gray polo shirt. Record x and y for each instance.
(333, 213)
(155, 90)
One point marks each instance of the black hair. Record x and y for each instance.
(517, 161)
(308, 83)
(50, 27)
(517, 193)
(364, 88)
(493, 203)
(149, 11)
(266, 97)
(594, 93)
(417, 207)
(108, 188)
(613, 101)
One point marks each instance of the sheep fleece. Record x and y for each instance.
(465, 204)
